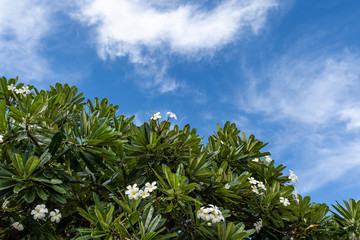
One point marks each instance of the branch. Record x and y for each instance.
(32, 138)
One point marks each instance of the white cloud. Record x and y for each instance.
(146, 31)
(311, 89)
(312, 99)
(352, 116)
(331, 164)
(155, 76)
(23, 24)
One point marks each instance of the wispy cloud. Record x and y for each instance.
(313, 97)
(311, 89)
(23, 24)
(146, 31)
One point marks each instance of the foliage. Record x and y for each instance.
(111, 179)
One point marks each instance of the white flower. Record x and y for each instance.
(200, 213)
(255, 189)
(295, 194)
(143, 194)
(267, 159)
(227, 186)
(352, 236)
(39, 211)
(258, 225)
(261, 185)
(11, 87)
(215, 218)
(293, 177)
(284, 201)
(206, 215)
(55, 215)
(255, 160)
(26, 89)
(171, 115)
(132, 191)
(150, 187)
(214, 209)
(209, 224)
(1, 139)
(156, 116)
(252, 180)
(4, 205)
(297, 198)
(19, 91)
(18, 226)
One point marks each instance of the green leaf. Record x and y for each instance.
(17, 162)
(55, 181)
(5, 184)
(30, 165)
(3, 122)
(154, 224)
(41, 194)
(149, 215)
(58, 189)
(109, 215)
(56, 142)
(58, 198)
(86, 215)
(29, 195)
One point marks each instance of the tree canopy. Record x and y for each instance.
(72, 168)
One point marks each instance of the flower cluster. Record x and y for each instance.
(258, 225)
(40, 211)
(157, 115)
(293, 177)
(23, 90)
(227, 186)
(257, 185)
(134, 192)
(211, 213)
(284, 201)
(267, 159)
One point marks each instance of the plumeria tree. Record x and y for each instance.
(72, 168)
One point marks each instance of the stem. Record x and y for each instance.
(32, 138)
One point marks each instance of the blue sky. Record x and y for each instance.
(286, 71)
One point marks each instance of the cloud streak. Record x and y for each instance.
(309, 89)
(22, 28)
(313, 97)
